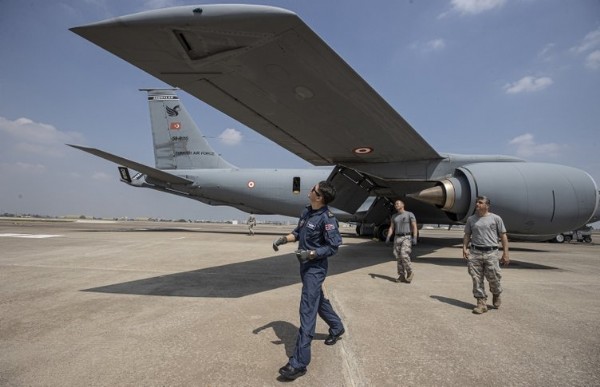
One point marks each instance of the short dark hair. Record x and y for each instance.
(327, 191)
(485, 199)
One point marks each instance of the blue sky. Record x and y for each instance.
(514, 77)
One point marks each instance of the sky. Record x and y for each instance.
(512, 77)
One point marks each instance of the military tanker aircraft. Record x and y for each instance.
(186, 165)
(266, 68)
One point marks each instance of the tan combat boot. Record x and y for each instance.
(481, 306)
(410, 277)
(497, 301)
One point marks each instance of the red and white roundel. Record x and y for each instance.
(363, 150)
(251, 184)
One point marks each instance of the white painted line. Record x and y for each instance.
(40, 236)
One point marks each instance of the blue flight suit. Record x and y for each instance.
(317, 230)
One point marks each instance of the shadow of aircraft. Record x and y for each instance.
(428, 245)
(245, 278)
(440, 261)
(184, 229)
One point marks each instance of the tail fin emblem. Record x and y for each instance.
(174, 111)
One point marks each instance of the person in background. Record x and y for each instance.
(403, 226)
(251, 222)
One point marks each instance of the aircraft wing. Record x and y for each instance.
(266, 68)
(149, 171)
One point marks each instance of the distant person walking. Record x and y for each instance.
(403, 226)
(480, 249)
(251, 222)
(318, 238)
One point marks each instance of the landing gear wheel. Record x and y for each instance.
(382, 232)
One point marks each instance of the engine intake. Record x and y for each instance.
(531, 198)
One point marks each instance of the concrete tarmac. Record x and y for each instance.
(175, 304)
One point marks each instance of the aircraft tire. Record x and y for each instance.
(560, 238)
(382, 231)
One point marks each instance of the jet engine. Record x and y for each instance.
(531, 198)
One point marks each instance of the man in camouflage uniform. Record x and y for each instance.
(482, 231)
(251, 222)
(403, 225)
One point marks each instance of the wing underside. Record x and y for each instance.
(266, 68)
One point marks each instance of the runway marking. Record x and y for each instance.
(39, 236)
(353, 374)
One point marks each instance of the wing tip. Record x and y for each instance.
(187, 13)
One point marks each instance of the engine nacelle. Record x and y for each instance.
(531, 198)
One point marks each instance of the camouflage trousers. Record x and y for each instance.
(402, 250)
(485, 264)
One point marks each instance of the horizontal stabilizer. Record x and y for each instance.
(149, 171)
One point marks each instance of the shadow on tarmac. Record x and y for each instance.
(265, 274)
(243, 278)
(454, 302)
(383, 277)
(286, 333)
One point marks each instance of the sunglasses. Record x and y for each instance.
(315, 191)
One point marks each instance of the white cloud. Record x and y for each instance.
(547, 53)
(230, 137)
(25, 135)
(432, 45)
(102, 176)
(590, 41)
(155, 4)
(23, 168)
(526, 147)
(593, 60)
(474, 7)
(528, 84)
(436, 44)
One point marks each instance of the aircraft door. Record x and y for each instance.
(352, 188)
(296, 185)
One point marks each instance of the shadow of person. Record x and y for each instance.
(454, 302)
(384, 277)
(285, 332)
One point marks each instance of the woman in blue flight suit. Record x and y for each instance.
(318, 238)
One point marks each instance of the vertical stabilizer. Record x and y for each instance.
(178, 143)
